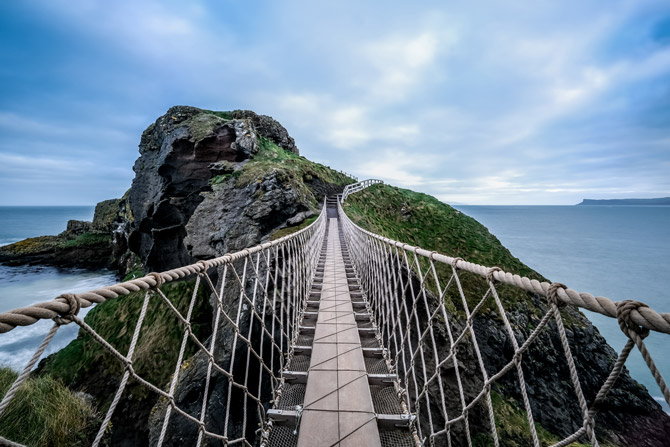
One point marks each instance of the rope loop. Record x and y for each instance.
(623, 310)
(455, 261)
(75, 306)
(552, 294)
(158, 278)
(489, 274)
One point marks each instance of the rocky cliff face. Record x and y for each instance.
(186, 199)
(206, 183)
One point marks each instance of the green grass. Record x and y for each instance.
(422, 220)
(223, 115)
(84, 364)
(291, 169)
(513, 429)
(88, 239)
(45, 413)
(222, 178)
(290, 230)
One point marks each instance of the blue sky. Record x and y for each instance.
(538, 102)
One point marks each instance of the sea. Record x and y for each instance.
(620, 252)
(25, 285)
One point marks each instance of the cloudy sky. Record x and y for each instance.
(536, 102)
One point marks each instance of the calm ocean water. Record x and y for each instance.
(621, 252)
(617, 252)
(25, 285)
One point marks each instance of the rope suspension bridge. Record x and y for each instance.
(337, 336)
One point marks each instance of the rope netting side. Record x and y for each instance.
(428, 343)
(257, 306)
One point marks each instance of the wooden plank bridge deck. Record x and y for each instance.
(345, 396)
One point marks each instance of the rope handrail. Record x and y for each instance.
(259, 302)
(642, 316)
(424, 339)
(25, 316)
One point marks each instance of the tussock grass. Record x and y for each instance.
(424, 221)
(45, 413)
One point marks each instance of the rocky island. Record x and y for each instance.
(208, 183)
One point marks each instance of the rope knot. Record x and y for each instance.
(75, 306)
(623, 310)
(489, 274)
(158, 278)
(455, 261)
(205, 266)
(552, 294)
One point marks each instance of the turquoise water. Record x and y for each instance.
(621, 252)
(26, 285)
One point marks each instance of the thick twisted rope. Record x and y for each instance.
(413, 343)
(642, 316)
(293, 255)
(60, 306)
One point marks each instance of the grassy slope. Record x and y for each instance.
(424, 221)
(291, 169)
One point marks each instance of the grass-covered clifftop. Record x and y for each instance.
(422, 220)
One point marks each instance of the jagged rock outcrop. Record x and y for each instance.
(268, 127)
(206, 184)
(172, 195)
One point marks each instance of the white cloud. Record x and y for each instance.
(502, 102)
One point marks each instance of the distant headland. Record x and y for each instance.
(658, 201)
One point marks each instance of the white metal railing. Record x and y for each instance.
(355, 187)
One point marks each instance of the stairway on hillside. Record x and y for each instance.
(338, 389)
